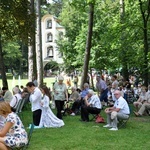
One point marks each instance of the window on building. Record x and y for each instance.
(49, 37)
(50, 52)
(49, 24)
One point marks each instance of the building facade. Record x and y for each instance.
(51, 29)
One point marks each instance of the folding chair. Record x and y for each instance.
(29, 138)
(122, 122)
(19, 107)
(93, 116)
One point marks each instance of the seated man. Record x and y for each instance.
(92, 105)
(141, 99)
(120, 110)
(146, 106)
(16, 98)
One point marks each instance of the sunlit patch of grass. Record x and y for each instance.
(76, 135)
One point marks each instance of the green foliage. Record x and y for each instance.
(54, 8)
(115, 42)
(15, 19)
(67, 44)
(12, 55)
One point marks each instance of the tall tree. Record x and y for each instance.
(15, 22)
(32, 71)
(88, 43)
(145, 12)
(123, 54)
(39, 44)
(2, 66)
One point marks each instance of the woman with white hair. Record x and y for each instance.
(76, 99)
(60, 95)
(16, 98)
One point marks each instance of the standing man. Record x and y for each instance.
(35, 98)
(102, 89)
(120, 110)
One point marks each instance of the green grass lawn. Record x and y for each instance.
(76, 135)
(14, 82)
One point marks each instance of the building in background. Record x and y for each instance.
(51, 29)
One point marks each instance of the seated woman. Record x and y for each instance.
(48, 119)
(141, 99)
(76, 99)
(13, 133)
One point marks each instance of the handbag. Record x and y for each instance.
(99, 119)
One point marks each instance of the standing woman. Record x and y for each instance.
(60, 95)
(48, 119)
(13, 133)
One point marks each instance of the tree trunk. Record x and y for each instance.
(2, 66)
(92, 83)
(88, 45)
(145, 17)
(39, 44)
(124, 60)
(31, 49)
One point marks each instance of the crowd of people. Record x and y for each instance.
(112, 94)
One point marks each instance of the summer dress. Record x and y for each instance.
(16, 136)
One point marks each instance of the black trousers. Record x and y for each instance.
(85, 110)
(76, 105)
(37, 117)
(59, 106)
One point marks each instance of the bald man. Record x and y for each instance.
(120, 110)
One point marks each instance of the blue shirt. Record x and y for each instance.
(84, 92)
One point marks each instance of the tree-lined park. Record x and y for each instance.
(109, 35)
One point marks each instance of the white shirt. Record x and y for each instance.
(16, 98)
(95, 101)
(35, 99)
(123, 105)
